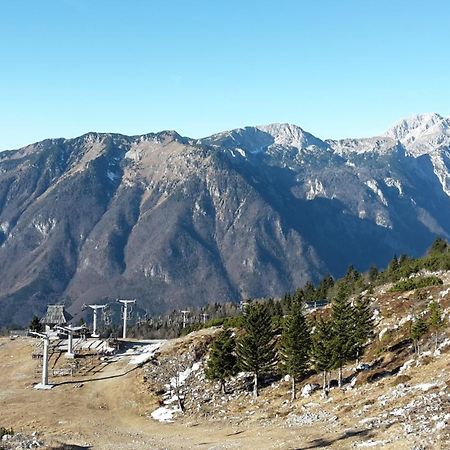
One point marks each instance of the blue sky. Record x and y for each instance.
(337, 68)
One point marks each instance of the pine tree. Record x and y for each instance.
(222, 362)
(270, 302)
(278, 310)
(286, 303)
(363, 324)
(309, 292)
(439, 246)
(393, 268)
(295, 346)
(435, 320)
(324, 286)
(418, 329)
(373, 273)
(35, 324)
(352, 275)
(297, 298)
(343, 331)
(321, 348)
(256, 347)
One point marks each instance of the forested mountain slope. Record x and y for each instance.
(174, 221)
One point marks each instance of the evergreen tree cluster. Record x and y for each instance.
(436, 258)
(352, 283)
(323, 344)
(342, 336)
(431, 320)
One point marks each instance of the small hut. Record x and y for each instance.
(55, 316)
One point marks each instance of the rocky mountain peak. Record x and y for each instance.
(259, 139)
(407, 131)
(250, 212)
(289, 135)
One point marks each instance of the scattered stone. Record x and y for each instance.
(295, 420)
(308, 389)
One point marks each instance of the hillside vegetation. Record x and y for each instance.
(369, 368)
(373, 358)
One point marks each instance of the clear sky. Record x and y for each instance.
(337, 68)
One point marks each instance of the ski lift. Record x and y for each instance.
(128, 310)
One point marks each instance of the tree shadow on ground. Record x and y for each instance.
(321, 443)
(71, 447)
(90, 380)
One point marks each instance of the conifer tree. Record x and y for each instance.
(321, 348)
(278, 310)
(270, 302)
(295, 346)
(352, 275)
(393, 268)
(439, 246)
(373, 273)
(286, 303)
(256, 348)
(418, 329)
(435, 320)
(309, 292)
(363, 324)
(222, 362)
(324, 286)
(35, 324)
(299, 296)
(343, 331)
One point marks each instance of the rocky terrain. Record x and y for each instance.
(174, 221)
(393, 399)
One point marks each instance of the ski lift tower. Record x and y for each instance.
(185, 313)
(46, 340)
(126, 314)
(95, 308)
(69, 330)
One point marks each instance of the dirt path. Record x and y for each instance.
(112, 414)
(109, 413)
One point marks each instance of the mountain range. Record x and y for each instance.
(177, 222)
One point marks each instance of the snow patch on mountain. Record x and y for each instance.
(391, 182)
(237, 151)
(382, 220)
(373, 185)
(441, 170)
(315, 189)
(44, 226)
(4, 227)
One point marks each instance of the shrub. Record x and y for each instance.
(415, 283)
